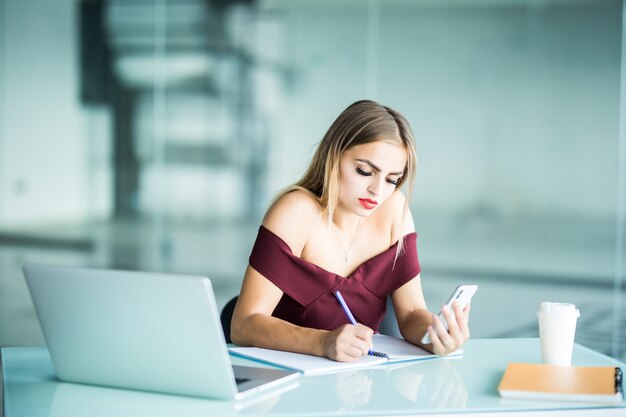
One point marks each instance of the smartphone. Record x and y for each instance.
(462, 295)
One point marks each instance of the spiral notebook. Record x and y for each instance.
(532, 381)
(396, 349)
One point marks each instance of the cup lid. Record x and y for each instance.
(558, 309)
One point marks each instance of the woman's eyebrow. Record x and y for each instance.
(371, 164)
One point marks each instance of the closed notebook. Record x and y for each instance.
(562, 383)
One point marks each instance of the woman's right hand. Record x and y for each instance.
(347, 343)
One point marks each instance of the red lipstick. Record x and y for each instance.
(368, 203)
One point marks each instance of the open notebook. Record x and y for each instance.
(397, 350)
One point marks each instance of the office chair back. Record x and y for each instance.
(226, 316)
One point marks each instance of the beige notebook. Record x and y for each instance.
(562, 383)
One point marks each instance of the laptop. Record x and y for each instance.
(141, 330)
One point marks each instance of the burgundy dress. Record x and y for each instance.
(308, 300)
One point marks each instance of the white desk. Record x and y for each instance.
(440, 386)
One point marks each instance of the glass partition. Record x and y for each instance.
(152, 134)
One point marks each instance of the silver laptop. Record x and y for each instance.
(141, 330)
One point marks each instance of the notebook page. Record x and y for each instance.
(307, 364)
(400, 350)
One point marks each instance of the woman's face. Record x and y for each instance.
(369, 174)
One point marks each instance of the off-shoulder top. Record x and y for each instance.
(308, 298)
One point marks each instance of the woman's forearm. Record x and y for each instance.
(414, 326)
(269, 332)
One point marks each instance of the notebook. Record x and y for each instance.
(140, 330)
(562, 383)
(396, 349)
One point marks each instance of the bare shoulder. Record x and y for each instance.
(291, 218)
(391, 211)
(397, 200)
(399, 215)
(297, 203)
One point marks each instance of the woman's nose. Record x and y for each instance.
(376, 187)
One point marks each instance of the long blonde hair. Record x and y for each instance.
(362, 122)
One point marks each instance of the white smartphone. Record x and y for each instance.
(462, 295)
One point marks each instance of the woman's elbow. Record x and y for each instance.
(243, 329)
(237, 330)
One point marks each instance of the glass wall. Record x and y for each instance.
(152, 134)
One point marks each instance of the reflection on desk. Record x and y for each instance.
(77, 400)
(439, 386)
(402, 384)
(354, 388)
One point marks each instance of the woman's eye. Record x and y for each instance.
(365, 173)
(393, 182)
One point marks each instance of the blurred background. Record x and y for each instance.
(152, 134)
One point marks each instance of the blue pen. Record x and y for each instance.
(346, 309)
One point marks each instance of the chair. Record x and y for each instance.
(226, 316)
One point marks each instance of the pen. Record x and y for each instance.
(346, 309)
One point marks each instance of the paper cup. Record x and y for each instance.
(557, 326)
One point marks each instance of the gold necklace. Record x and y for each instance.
(346, 251)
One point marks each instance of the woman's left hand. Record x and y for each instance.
(445, 342)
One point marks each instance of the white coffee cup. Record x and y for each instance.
(557, 326)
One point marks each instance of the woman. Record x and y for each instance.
(344, 226)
